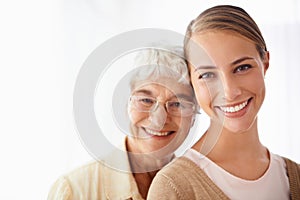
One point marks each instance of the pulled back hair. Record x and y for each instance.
(229, 18)
(158, 63)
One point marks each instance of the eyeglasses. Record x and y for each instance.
(177, 107)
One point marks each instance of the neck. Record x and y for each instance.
(142, 160)
(237, 153)
(144, 165)
(220, 143)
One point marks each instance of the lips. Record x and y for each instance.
(235, 108)
(158, 133)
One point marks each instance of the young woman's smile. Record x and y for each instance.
(235, 110)
(225, 88)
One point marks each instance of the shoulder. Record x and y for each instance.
(179, 167)
(177, 180)
(84, 174)
(289, 164)
(60, 190)
(183, 179)
(169, 181)
(293, 173)
(293, 169)
(292, 166)
(66, 185)
(85, 171)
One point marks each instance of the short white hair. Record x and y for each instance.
(160, 62)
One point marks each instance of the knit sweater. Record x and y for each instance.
(183, 179)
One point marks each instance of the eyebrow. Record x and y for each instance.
(146, 92)
(179, 96)
(205, 67)
(241, 60)
(183, 96)
(233, 63)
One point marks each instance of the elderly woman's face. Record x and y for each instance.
(161, 115)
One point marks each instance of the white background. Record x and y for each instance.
(44, 43)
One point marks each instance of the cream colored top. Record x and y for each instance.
(97, 181)
(274, 184)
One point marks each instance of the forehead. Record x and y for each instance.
(219, 48)
(165, 89)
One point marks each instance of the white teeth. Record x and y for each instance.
(236, 108)
(157, 133)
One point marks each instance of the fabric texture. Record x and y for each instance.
(272, 184)
(96, 181)
(183, 179)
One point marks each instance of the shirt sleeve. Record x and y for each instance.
(60, 190)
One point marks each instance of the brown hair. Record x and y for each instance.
(230, 18)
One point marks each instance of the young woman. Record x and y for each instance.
(228, 60)
(161, 109)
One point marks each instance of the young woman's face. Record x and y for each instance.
(157, 128)
(229, 82)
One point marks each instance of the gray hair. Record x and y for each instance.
(157, 63)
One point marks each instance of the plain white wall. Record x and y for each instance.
(44, 43)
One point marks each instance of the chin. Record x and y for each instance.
(165, 148)
(239, 127)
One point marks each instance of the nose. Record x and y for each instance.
(231, 88)
(158, 117)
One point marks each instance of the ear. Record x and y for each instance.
(266, 62)
(129, 111)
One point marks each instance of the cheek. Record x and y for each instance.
(178, 122)
(203, 94)
(187, 123)
(260, 90)
(257, 86)
(183, 125)
(136, 117)
(201, 90)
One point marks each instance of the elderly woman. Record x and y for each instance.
(161, 110)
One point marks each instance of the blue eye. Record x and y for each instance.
(175, 104)
(207, 75)
(242, 68)
(147, 101)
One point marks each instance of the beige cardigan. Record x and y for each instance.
(183, 179)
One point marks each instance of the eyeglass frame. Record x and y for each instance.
(156, 103)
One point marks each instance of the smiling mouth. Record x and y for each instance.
(235, 108)
(158, 133)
